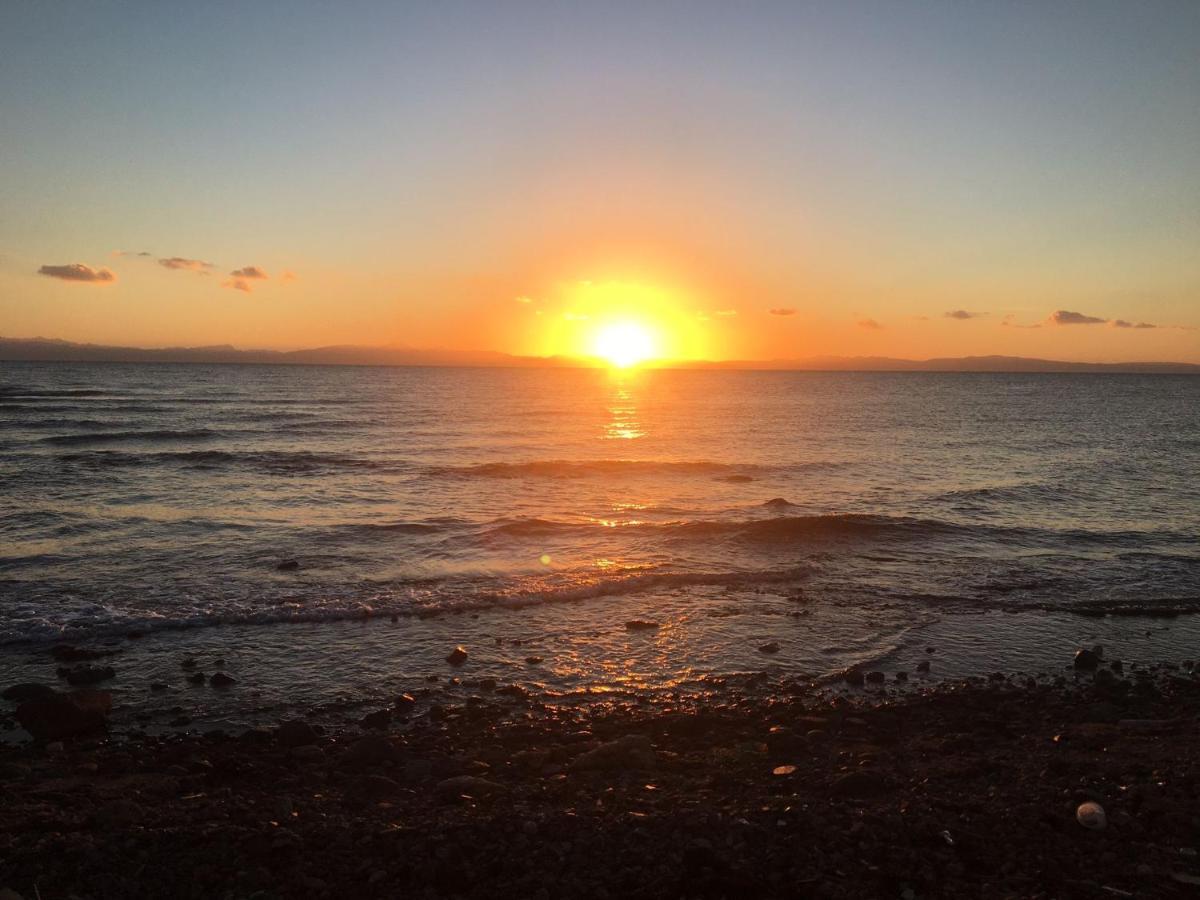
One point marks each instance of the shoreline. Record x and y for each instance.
(754, 788)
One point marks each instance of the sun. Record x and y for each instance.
(624, 344)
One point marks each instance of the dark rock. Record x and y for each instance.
(221, 680)
(633, 751)
(83, 675)
(196, 678)
(377, 721)
(853, 676)
(288, 565)
(769, 647)
(1086, 660)
(875, 677)
(457, 656)
(923, 666)
(70, 653)
(640, 625)
(487, 684)
(295, 734)
(65, 715)
(776, 503)
(372, 750)
(21, 693)
(859, 786)
(188, 662)
(158, 686)
(533, 660)
(902, 676)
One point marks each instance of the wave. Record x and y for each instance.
(118, 437)
(559, 468)
(269, 461)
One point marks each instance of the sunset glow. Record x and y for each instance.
(624, 344)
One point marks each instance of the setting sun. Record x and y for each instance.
(623, 344)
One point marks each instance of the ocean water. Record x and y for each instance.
(848, 516)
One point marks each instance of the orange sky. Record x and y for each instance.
(848, 180)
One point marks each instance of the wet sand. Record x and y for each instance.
(756, 788)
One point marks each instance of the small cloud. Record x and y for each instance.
(526, 300)
(730, 313)
(288, 276)
(869, 324)
(783, 311)
(79, 272)
(181, 263)
(120, 253)
(248, 272)
(238, 284)
(963, 314)
(1066, 317)
(1121, 323)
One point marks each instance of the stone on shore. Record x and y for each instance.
(221, 680)
(295, 734)
(769, 647)
(65, 715)
(640, 625)
(1086, 660)
(21, 693)
(457, 656)
(633, 751)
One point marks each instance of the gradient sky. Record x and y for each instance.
(476, 175)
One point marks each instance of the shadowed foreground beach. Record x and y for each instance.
(965, 789)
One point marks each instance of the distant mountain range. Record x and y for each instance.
(48, 350)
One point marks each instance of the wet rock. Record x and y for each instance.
(221, 680)
(377, 721)
(634, 751)
(295, 734)
(457, 656)
(21, 693)
(902, 676)
(776, 503)
(70, 653)
(859, 786)
(769, 647)
(487, 684)
(196, 678)
(467, 786)
(875, 677)
(640, 625)
(371, 750)
(853, 677)
(923, 666)
(533, 660)
(65, 715)
(404, 703)
(84, 675)
(288, 565)
(159, 686)
(1086, 660)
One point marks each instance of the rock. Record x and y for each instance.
(633, 751)
(469, 786)
(82, 675)
(70, 653)
(159, 686)
(404, 703)
(196, 678)
(457, 656)
(783, 770)
(221, 680)
(533, 660)
(923, 666)
(859, 786)
(640, 625)
(853, 676)
(371, 750)
(1091, 816)
(377, 721)
(875, 677)
(902, 676)
(188, 662)
(28, 690)
(1086, 660)
(776, 503)
(295, 734)
(288, 565)
(487, 684)
(769, 647)
(65, 715)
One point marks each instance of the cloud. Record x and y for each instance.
(288, 276)
(783, 311)
(79, 272)
(198, 266)
(730, 313)
(963, 314)
(249, 272)
(1066, 317)
(1121, 323)
(238, 284)
(870, 324)
(132, 253)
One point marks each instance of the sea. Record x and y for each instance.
(331, 533)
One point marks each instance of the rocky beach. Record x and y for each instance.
(877, 785)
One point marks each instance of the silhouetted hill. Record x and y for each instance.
(51, 350)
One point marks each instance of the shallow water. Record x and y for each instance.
(842, 515)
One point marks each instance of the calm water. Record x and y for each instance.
(833, 512)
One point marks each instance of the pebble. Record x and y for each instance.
(1091, 815)
(457, 656)
(769, 647)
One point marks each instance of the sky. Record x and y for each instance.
(740, 181)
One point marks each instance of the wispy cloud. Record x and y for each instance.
(119, 253)
(869, 324)
(238, 284)
(1066, 317)
(1121, 323)
(79, 272)
(963, 314)
(783, 311)
(252, 272)
(181, 263)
